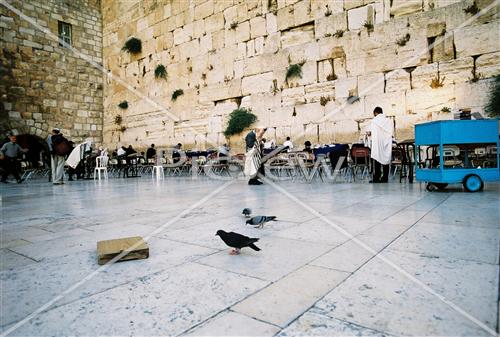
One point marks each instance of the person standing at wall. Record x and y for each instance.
(288, 143)
(60, 149)
(251, 139)
(8, 155)
(381, 131)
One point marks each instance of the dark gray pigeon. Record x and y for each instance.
(237, 241)
(260, 220)
(246, 212)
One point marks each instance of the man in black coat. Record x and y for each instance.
(251, 138)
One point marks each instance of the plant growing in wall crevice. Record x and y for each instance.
(133, 46)
(160, 71)
(176, 94)
(437, 82)
(492, 108)
(445, 109)
(123, 105)
(368, 26)
(472, 9)
(118, 119)
(403, 40)
(239, 119)
(293, 71)
(338, 33)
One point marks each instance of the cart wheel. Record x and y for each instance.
(430, 187)
(473, 183)
(441, 186)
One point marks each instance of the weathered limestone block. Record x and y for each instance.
(322, 8)
(436, 29)
(339, 67)
(214, 23)
(271, 23)
(346, 87)
(220, 6)
(181, 35)
(250, 48)
(253, 65)
(325, 70)
(487, 65)
(243, 32)
(205, 43)
(422, 76)
(258, 27)
(358, 16)
(477, 39)
(230, 16)
(297, 36)
(259, 45)
(293, 96)
(397, 80)
(309, 75)
(371, 84)
(204, 9)
(257, 83)
(457, 71)
(473, 95)
(218, 39)
(239, 68)
(315, 92)
(328, 25)
(404, 7)
(302, 12)
(285, 18)
(189, 49)
(309, 113)
(393, 103)
(345, 131)
(421, 101)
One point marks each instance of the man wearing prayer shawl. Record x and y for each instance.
(381, 132)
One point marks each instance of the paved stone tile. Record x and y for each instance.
(164, 304)
(477, 244)
(316, 324)
(9, 260)
(231, 323)
(287, 298)
(27, 288)
(277, 258)
(380, 298)
(466, 215)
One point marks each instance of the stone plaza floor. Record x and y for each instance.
(343, 259)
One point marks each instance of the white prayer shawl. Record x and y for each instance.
(75, 155)
(381, 139)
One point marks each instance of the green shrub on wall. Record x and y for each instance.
(123, 105)
(239, 119)
(177, 93)
(160, 71)
(493, 106)
(133, 46)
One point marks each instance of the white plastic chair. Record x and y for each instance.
(101, 165)
(158, 172)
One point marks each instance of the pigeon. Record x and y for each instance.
(246, 212)
(237, 241)
(260, 220)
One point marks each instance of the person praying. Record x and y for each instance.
(381, 131)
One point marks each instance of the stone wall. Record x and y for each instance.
(420, 60)
(44, 84)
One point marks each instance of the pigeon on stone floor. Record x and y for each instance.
(237, 241)
(246, 212)
(260, 220)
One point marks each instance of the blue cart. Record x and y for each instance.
(457, 151)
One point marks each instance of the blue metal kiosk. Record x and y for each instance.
(457, 151)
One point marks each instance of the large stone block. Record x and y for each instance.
(272, 43)
(346, 87)
(324, 8)
(320, 91)
(422, 76)
(426, 100)
(477, 39)
(258, 27)
(358, 16)
(473, 95)
(204, 9)
(397, 80)
(488, 65)
(371, 84)
(393, 103)
(309, 75)
(457, 71)
(285, 18)
(293, 96)
(325, 70)
(297, 36)
(271, 23)
(302, 12)
(310, 112)
(214, 23)
(404, 7)
(329, 25)
(257, 83)
(243, 32)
